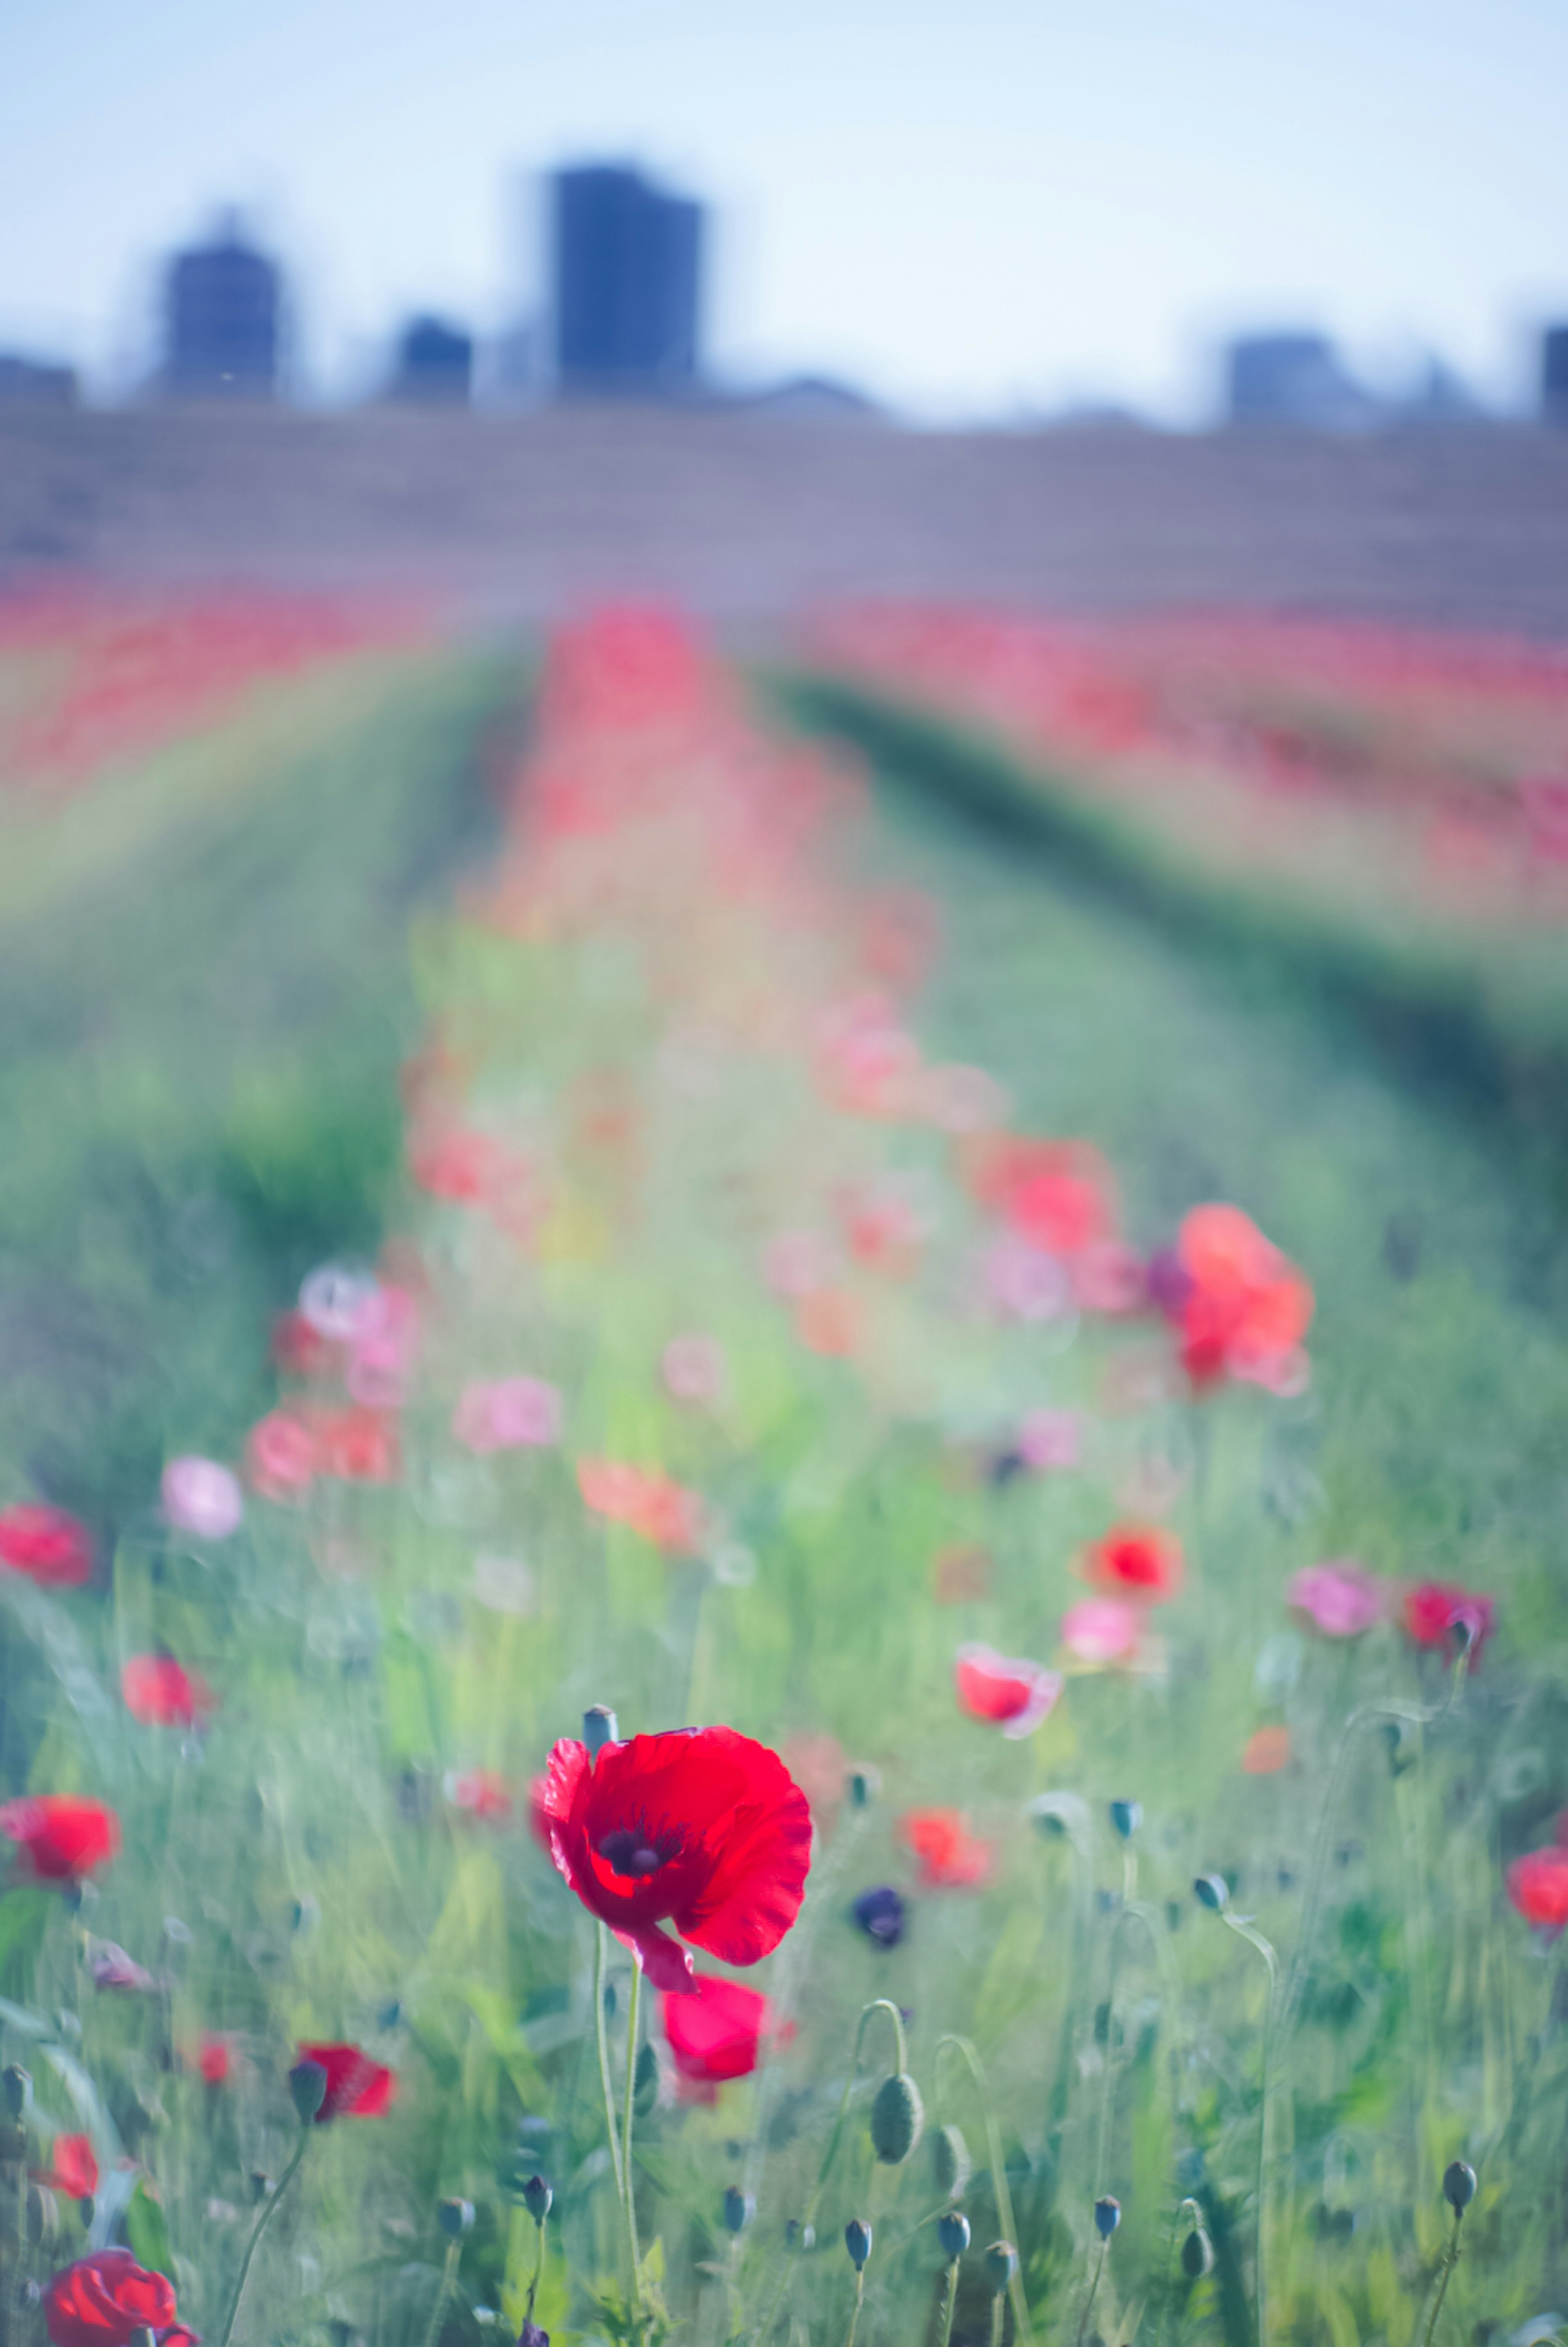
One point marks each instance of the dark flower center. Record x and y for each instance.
(631, 1851)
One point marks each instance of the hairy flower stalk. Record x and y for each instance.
(965, 2049)
(308, 2083)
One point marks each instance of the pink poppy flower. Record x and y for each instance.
(693, 1369)
(1102, 1629)
(201, 1497)
(1108, 1277)
(1340, 1598)
(280, 1457)
(336, 1303)
(161, 1694)
(383, 1348)
(1023, 1284)
(1048, 1439)
(1015, 1694)
(509, 1414)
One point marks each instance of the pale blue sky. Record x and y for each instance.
(978, 209)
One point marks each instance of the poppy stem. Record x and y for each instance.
(601, 1946)
(262, 2221)
(448, 2276)
(963, 2047)
(1249, 1932)
(1449, 2263)
(950, 2300)
(859, 2295)
(629, 2198)
(538, 2271)
(1094, 2287)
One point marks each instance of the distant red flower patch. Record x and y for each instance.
(715, 2035)
(47, 1544)
(480, 1793)
(215, 2059)
(701, 1827)
(1055, 1196)
(653, 1506)
(1136, 1562)
(1538, 1886)
(161, 1694)
(1266, 1752)
(357, 1446)
(1242, 1308)
(1012, 1694)
(61, 1836)
(104, 2300)
(1434, 1609)
(281, 1456)
(73, 2167)
(949, 1856)
(357, 2087)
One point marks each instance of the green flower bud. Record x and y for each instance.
(1212, 1891)
(897, 2118)
(18, 2086)
(308, 2085)
(536, 2199)
(950, 2163)
(799, 2236)
(953, 2233)
(1108, 2217)
(600, 1726)
(858, 2242)
(1197, 2254)
(1001, 2264)
(739, 2209)
(456, 2218)
(645, 2090)
(1459, 2185)
(1127, 1816)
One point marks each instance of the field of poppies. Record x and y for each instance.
(763, 1578)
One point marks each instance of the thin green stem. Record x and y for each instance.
(448, 2276)
(1254, 1938)
(950, 2300)
(1093, 2292)
(262, 2221)
(997, 2306)
(538, 2271)
(860, 2295)
(1449, 2263)
(601, 1949)
(963, 2047)
(630, 2197)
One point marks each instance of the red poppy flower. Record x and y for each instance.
(1056, 1195)
(215, 2059)
(949, 1856)
(358, 1445)
(717, 2033)
(161, 1694)
(47, 1544)
(1266, 1752)
(103, 2300)
(1137, 1561)
(179, 2334)
(482, 1793)
(1014, 1694)
(357, 2087)
(73, 2167)
(1434, 1609)
(1242, 1306)
(281, 1456)
(63, 1836)
(699, 1827)
(1538, 1886)
(299, 1349)
(659, 1510)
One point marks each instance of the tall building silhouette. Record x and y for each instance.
(1555, 375)
(1292, 378)
(434, 364)
(222, 321)
(626, 278)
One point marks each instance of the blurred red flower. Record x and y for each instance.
(1538, 1886)
(1137, 1561)
(1056, 1194)
(1433, 1609)
(659, 1510)
(62, 1836)
(47, 1544)
(73, 2167)
(1241, 1305)
(699, 1827)
(215, 2059)
(281, 1456)
(949, 1856)
(103, 2300)
(482, 1793)
(1014, 1694)
(357, 1446)
(299, 1349)
(716, 2034)
(1266, 1752)
(357, 2087)
(161, 1694)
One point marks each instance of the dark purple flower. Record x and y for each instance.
(1169, 1282)
(532, 2336)
(881, 1915)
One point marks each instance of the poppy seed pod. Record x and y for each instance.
(1197, 2254)
(600, 1726)
(858, 2242)
(1000, 2265)
(456, 2218)
(307, 2086)
(800, 2237)
(18, 2086)
(739, 2209)
(1212, 1891)
(897, 2118)
(1459, 2185)
(953, 2233)
(950, 2163)
(1107, 2215)
(537, 2197)
(864, 1785)
(1127, 1816)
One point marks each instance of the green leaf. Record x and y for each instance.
(145, 2231)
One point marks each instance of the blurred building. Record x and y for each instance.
(36, 383)
(627, 284)
(1292, 378)
(222, 321)
(434, 364)
(1555, 375)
